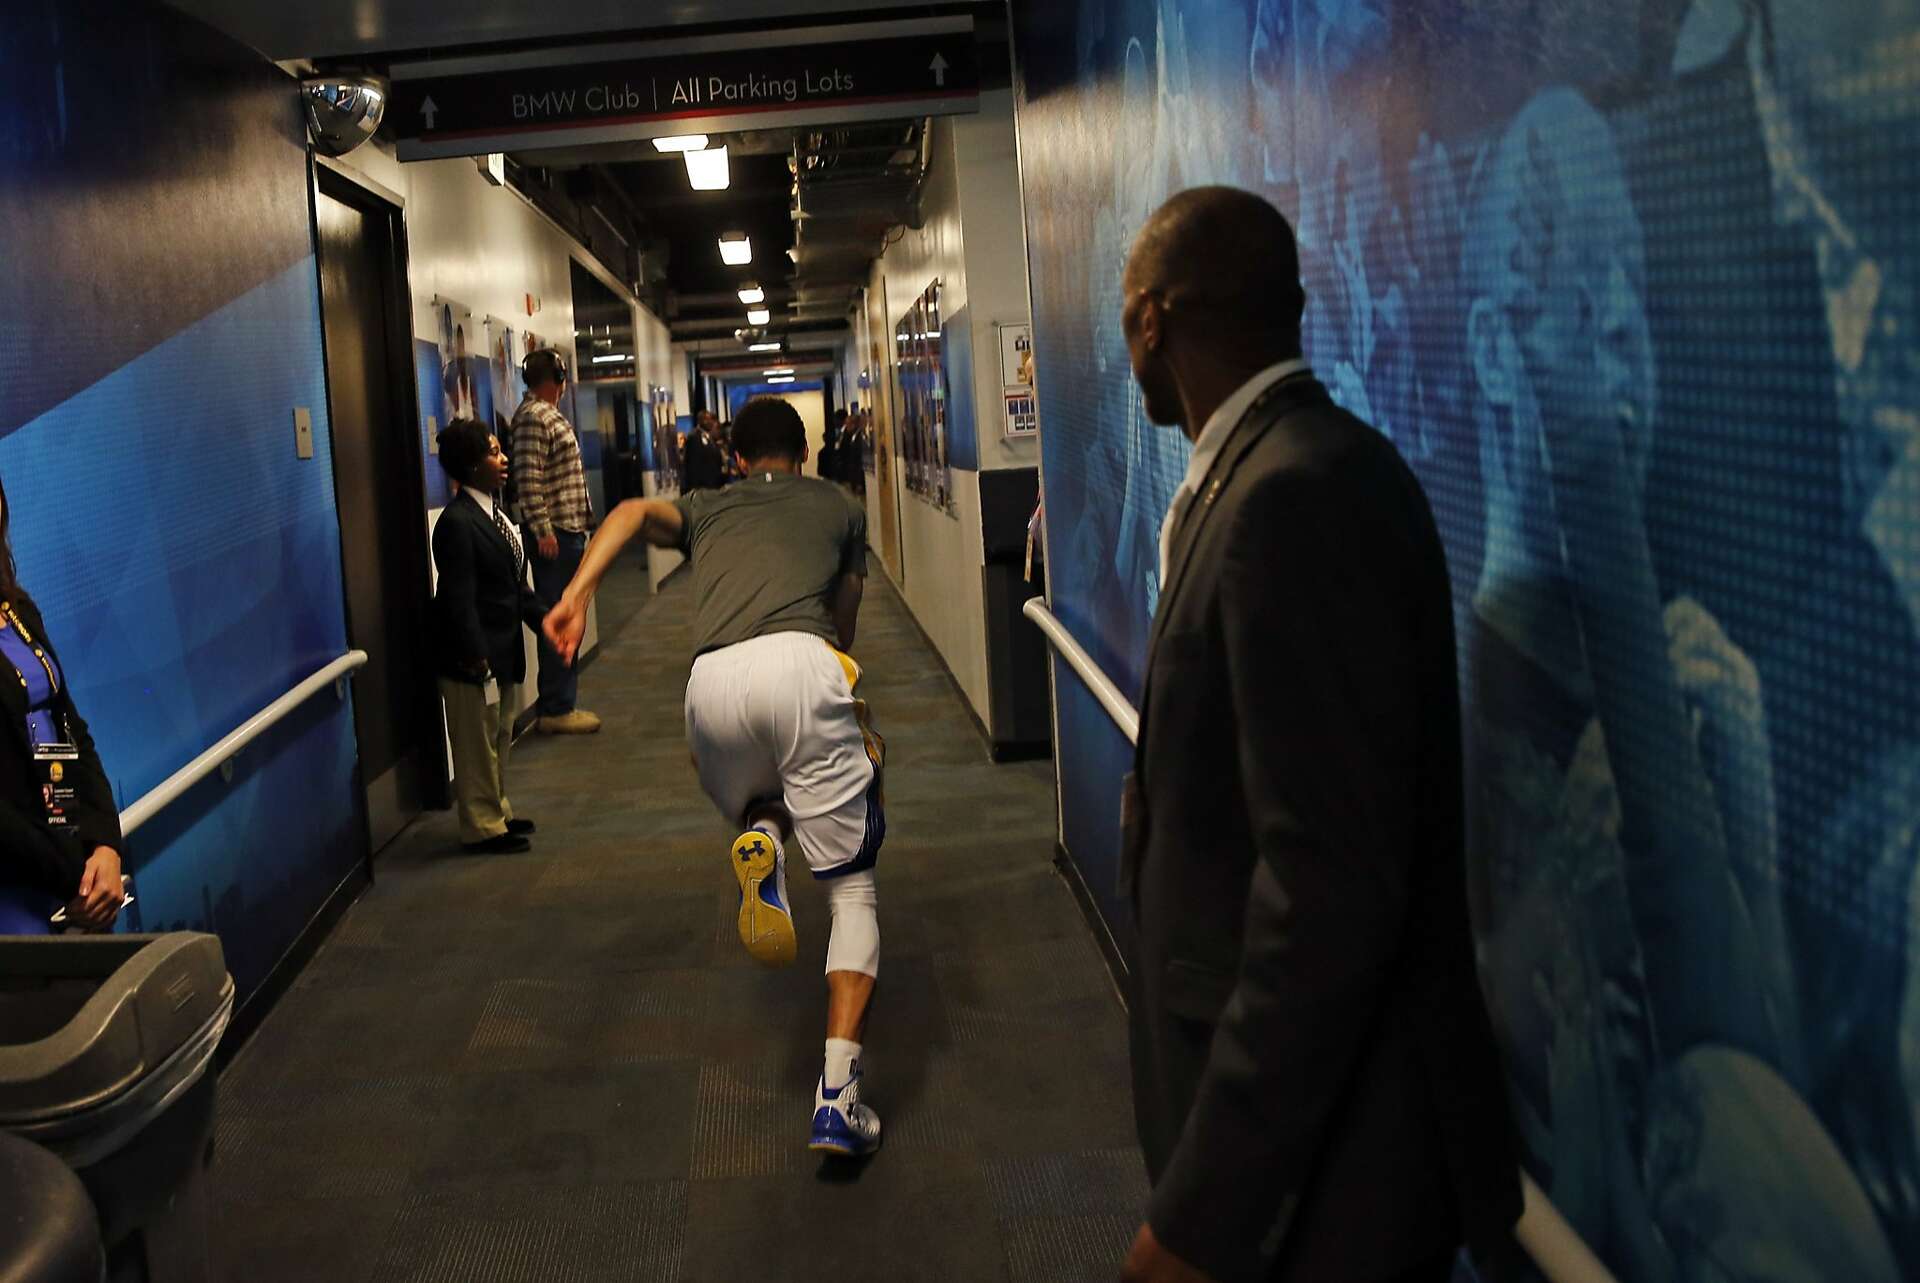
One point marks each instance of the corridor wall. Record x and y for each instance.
(1662, 251)
(971, 241)
(165, 323)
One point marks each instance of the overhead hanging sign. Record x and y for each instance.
(470, 106)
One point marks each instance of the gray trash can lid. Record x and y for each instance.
(148, 1031)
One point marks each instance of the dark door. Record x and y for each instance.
(383, 520)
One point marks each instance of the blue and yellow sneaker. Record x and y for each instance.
(766, 924)
(841, 1124)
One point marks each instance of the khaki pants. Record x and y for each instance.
(481, 736)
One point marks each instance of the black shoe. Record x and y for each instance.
(520, 826)
(498, 844)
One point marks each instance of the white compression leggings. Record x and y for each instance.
(854, 942)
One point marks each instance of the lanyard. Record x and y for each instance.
(53, 678)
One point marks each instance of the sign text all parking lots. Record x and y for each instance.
(472, 106)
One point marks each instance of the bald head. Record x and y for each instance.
(1222, 259)
(1212, 297)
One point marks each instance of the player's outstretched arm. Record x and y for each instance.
(655, 520)
(846, 607)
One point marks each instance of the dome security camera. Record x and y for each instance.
(342, 112)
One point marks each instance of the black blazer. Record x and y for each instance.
(482, 598)
(32, 851)
(1316, 1086)
(702, 464)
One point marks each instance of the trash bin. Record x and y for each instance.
(106, 1048)
(48, 1232)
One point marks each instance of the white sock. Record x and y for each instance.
(841, 1054)
(772, 830)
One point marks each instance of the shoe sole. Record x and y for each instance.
(765, 930)
(843, 1149)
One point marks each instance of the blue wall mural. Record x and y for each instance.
(187, 562)
(1632, 285)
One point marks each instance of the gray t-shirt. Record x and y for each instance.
(767, 554)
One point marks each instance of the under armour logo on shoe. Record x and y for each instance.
(757, 847)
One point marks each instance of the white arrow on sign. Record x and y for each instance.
(938, 66)
(429, 109)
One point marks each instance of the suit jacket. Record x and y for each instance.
(482, 598)
(51, 859)
(702, 465)
(1317, 1091)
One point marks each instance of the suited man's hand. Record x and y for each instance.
(1150, 1262)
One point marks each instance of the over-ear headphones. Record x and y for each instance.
(543, 364)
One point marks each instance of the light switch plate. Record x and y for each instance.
(303, 431)
(433, 434)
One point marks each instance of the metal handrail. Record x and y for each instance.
(1555, 1246)
(1118, 707)
(224, 750)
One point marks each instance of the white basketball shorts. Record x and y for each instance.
(775, 719)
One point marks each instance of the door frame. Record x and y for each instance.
(343, 183)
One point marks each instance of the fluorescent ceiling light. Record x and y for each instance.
(681, 142)
(763, 347)
(613, 356)
(783, 369)
(707, 170)
(783, 378)
(753, 294)
(735, 249)
(758, 316)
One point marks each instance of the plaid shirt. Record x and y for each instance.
(547, 471)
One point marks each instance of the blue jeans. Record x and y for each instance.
(559, 683)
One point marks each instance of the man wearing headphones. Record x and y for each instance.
(555, 511)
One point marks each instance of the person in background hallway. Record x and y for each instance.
(60, 837)
(782, 744)
(556, 512)
(828, 465)
(859, 443)
(704, 468)
(1316, 1086)
(478, 608)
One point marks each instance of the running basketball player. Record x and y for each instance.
(781, 743)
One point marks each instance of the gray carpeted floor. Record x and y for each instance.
(563, 1066)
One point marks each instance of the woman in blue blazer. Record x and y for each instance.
(59, 828)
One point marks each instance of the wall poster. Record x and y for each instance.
(1022, 411)
(459, 390)
(666, 437)
(923, 399)
(504, 369)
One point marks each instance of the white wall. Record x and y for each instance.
(996, 248)
(973, 242)
(940, 552)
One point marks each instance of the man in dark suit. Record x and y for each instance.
(703, 467)
(1316, 1086)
